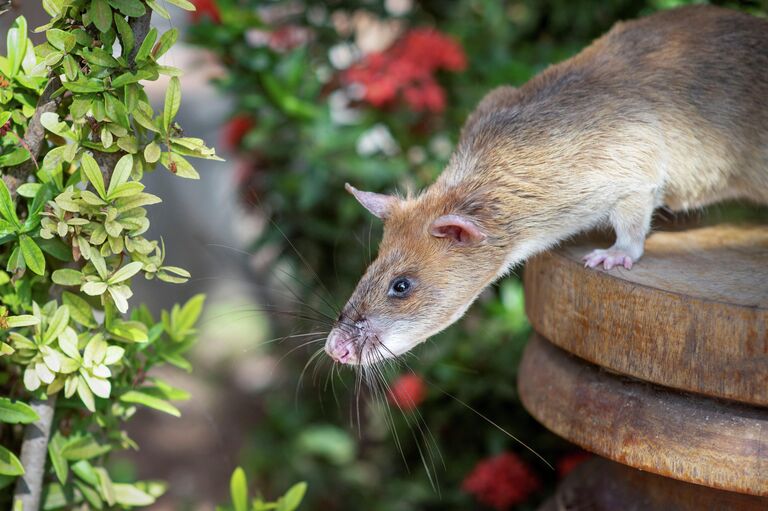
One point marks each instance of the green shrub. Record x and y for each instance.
(76, 357)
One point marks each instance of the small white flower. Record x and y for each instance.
(375, 140)
(343, 55)
(398, 7)
(256, 37)
(341, 111)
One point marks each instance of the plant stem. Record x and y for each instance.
(34, 137)
(34, 450)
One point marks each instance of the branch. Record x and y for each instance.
(34, 137)
(34, 451)
(140, 27)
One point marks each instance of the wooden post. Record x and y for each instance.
(663, 368)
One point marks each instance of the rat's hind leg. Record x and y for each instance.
(631, 219)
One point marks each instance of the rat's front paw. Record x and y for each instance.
(609, 258)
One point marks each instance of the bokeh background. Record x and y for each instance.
(301, 97)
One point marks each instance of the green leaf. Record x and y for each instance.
(167, 391)
(6, 228)
(9, 463)
(126, 272)
(83, 448)
(7, 207)
(101, 266)
(23, 320)
(136, 201)
(84, 470)
(71, 68)
(121, 174)
(67, 277)
(90, 495)
(51, 122)
(128, 77)
(18, 155)
(329, 442)
(116, 110)
(172, 102)
(101, 14)
(28, 190)
(84, 85)
(57, 324)
(94, 288)
(80, 311)
(238, 487)
(167, 40)
(16, 412)
(146, 45)
(293, 497)
(15, 261)
(129, 495)
(57, 249)
(17, 45)
(91, 170)
(137, 397)
(127, 39)
(100, 57)
(159, 9)
(188, 315)
(131, 331)
(183, 4)
(120, 295)
(106, 487)
(179, 166)
(152, 152)
(126, 190)
(60, 465)
(32, 254)
(132, 8)
(60, 39)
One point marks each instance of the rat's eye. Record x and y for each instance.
(400, 287)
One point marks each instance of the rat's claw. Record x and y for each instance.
(608, 258)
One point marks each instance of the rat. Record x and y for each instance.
(667, 110)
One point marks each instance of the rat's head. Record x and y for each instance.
(434, 259)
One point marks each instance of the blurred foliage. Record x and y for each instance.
(78, 134)
(239, 493)
(302, 129)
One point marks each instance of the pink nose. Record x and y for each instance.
(339, 346)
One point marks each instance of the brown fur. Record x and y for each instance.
(670, 110)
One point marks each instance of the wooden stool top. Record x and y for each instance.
(691, 314)
(679, 435)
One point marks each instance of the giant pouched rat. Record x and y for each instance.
(671, 110)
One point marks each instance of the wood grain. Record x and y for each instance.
(679, 435)
(601, 485)
(692, 314)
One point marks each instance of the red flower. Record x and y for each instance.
(569, 462)
(205, 8)
(407, 70)
(236, 129)
(501, 482)
(407, 392)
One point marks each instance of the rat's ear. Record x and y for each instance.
(459, 228)
(377, 203)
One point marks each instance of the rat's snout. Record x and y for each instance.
(340, 346)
